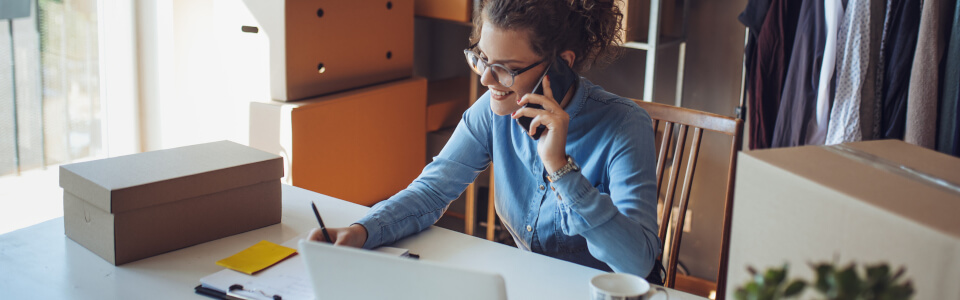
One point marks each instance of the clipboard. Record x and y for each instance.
(287, 280)
(231, 294)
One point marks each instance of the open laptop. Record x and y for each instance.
(349, 273)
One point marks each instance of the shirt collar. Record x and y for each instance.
(579, 97)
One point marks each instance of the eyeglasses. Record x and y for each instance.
(501, 73)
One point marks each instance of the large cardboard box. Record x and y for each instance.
(318, 47)
(453, 10)
(866, 202)
(362, 145)
(131, 207)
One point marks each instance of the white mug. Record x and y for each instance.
(621, 286)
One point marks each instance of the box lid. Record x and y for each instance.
(140, 180)
(907, 180)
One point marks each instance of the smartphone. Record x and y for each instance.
(562, 77)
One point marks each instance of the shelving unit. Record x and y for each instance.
(655, 42)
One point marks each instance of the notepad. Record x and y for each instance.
(258, 257)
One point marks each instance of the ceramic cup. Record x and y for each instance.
(622, 286)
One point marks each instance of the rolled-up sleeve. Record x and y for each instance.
(423, 202)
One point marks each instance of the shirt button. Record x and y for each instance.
(541, 187)
(553, 189)
(529, 228)
(558, 197)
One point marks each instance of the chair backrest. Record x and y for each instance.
(665, 118)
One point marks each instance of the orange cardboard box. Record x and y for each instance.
(318, 47)
(454, 10)
(362, 145)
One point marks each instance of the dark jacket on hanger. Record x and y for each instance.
(948, 131)
(803, 76)
(898, 56)
(774, 46)
(752, 17)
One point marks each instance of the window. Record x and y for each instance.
(50, 106)
(51, 95)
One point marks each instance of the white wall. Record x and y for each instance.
(198, 72)
(118, 77)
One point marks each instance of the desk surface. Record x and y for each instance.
(40, 262)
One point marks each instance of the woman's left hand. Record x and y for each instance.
(553, 141)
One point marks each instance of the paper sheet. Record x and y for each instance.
(288, 279)
(258, 257)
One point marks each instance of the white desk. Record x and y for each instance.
(40, 262)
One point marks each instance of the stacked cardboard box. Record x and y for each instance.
(318, 47)
(346, 113)
(452, 10)
(362, 145)
(131, 207)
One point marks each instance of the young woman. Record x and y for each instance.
(585, 190)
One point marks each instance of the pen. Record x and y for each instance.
(319, 220)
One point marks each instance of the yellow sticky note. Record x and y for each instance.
(257, 257)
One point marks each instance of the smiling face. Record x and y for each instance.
(512, 49)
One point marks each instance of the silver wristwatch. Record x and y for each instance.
(571, 166)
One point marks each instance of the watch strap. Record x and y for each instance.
(567, 168)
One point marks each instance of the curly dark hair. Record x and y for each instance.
(589, 28)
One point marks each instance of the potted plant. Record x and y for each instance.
(831, 283)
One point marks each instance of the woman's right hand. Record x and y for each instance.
(353, 236)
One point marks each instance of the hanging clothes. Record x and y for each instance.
(803, 75)
(752, 17)
(817, 126)
(902, 35)
(774, 48)
(858, 50)
(873, 89)
(948, 132)
(923, 93)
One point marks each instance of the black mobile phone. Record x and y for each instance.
(562, 77)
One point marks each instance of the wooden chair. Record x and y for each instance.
(665, 118)
(668, 117)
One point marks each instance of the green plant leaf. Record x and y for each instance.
(881, 272)
(752, 288)
(740, 294)
(878, 277)
(794, 288)
(823, 272)
(848, 283)
(775, 276)
(898, 292)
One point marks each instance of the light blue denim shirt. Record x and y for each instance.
(603, 216)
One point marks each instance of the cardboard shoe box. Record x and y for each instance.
(131, 207)
(319, 47)
(361, 145)
(866, 202)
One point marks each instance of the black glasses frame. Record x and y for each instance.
(473, 58)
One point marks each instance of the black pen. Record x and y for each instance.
(319, 220)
